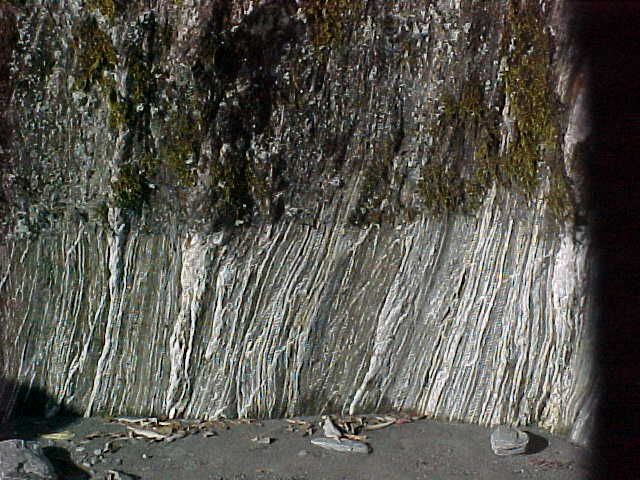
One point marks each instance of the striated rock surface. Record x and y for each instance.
(250, 208)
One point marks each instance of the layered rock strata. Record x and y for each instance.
(262, 209)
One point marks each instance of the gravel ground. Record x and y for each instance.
(224, 450)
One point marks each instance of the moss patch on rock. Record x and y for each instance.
(533, 103)
(95, 54)
(118, 108)
(181, 147)
(108, 8)
(373, 202)
(131, 188)
(441, 189)
(463, 157)
(332, 21)
(232, 187)
(140, 81)
(464, 161)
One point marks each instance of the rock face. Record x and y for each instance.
(20, 460)
(275, 208)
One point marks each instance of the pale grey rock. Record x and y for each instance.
(260, 440)
(506, 440)
(117, 475)
(177, 436)
(20, 460)
(341, 445)
(330, 429)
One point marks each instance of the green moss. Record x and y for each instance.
(375, 187)
(140, 89)
(440, 189)
(180, 150)
(449, 183)
(485, 172)
(468, 126)
(95, 55)
(257, 184)
(536, 111)
(131, 189)
(177, 157)
(140, 82)
(108, 8)
(118, 111)
(450, 109)
(233, 192)
(472, 104)
(331, 20)
(533, 103)
(469, 108)
(560, 199)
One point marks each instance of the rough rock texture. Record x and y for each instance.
(20, 460)
(274, 208)
(508, 441)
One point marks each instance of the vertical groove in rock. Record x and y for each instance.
(103, 379)
(196, 259)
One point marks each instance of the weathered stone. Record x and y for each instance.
(341, 445)
(330, 429)
(117, 475)
(20, 460)
(506, 440)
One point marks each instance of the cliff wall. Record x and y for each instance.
(251, 208)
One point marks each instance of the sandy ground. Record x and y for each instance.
(418, 449)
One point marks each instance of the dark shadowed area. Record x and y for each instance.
(35, 414)
(611, 44)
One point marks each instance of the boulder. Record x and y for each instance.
(20, 460)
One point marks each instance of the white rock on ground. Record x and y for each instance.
(507, 440)
(341, 445)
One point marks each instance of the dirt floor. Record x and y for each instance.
(401, 448)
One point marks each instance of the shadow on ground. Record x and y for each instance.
(64, 465)
(27, 412)
(536, 443)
